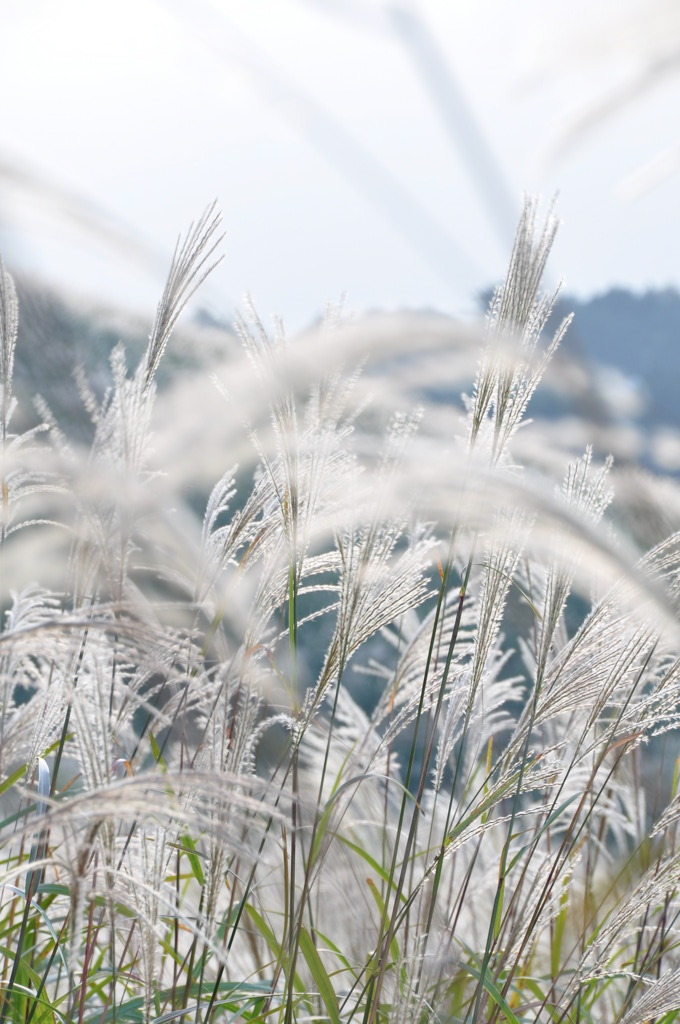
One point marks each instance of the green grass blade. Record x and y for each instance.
(320, 975)
(494, 992)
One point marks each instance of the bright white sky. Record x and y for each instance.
(350, 151)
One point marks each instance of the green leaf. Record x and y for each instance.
(373, 864)
(493, 992)
(11, 779)
(537, 990)
(187, 845)
(54, 889)
(351, 969)
(47, 1011)
(558, 932)
(129, 1012)
(156, 751)
(384, 918)
(272, 942)
(320, 975)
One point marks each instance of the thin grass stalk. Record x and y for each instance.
(568, 843)
(33, 879)
(606, 747)
(293, 932)
(390, 931)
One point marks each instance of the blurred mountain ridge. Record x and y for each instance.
(59, 334)
(639, 335)
(627, 342)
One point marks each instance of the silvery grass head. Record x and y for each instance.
(373, 739)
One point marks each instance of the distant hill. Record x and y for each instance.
(57, 335)
(639, 335)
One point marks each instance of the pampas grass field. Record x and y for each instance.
(384, 735)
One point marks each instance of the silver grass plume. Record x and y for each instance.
(661, 996)
(121, 443)
(510, 369)
(172, 803)
(9, 321)
(193, 260)
(18, 479)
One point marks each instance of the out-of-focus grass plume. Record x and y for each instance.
(332, 686)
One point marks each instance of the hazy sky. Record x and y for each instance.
(354, 146)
